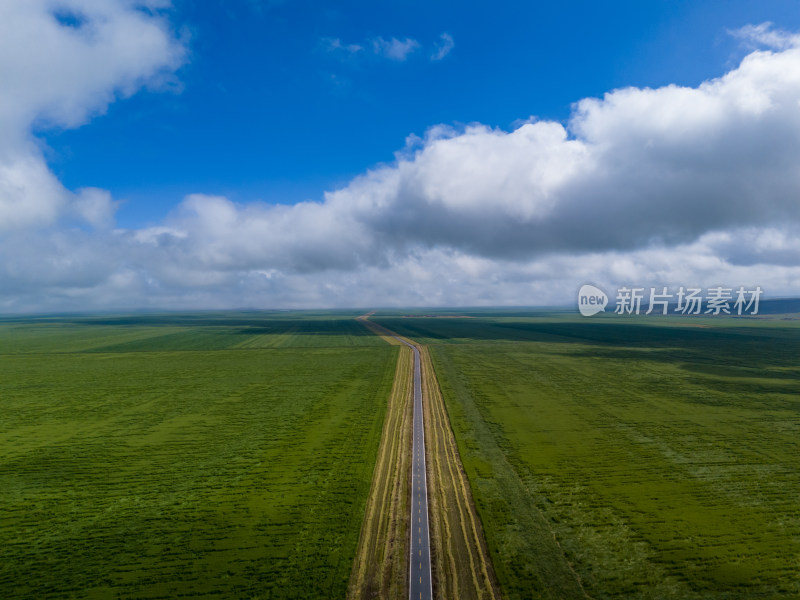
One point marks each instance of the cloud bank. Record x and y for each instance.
(666, 186)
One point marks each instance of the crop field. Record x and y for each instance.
(203, 456)
(627, 457)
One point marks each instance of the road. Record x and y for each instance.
(420, 585)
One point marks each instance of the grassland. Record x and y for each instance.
(609, 458)
(204, 456)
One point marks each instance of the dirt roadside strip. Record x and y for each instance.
(460, 560)
(461, 563)
(380, 568)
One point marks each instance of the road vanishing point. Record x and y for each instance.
(420, 586)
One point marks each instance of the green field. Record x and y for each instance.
(628, 458)
(202, 456)
(229, 455)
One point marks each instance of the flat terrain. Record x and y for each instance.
(461, 564)
(623, 457)
(209, 456)
(380, 569)
(420, 576)
(452, 550)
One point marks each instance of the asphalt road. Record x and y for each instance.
(420, 587)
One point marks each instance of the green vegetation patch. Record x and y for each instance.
(161, 473)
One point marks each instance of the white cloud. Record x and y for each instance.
(668, 186)
(29, 193)
(394, 49)
(443, 47)
(85, 272)
(61, 63)
(95, 206)
(766, 35)
(336, 45)
(43, 62)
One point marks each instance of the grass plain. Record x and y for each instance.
(205, 456)
(627, 458)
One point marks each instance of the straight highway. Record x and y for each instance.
(420, 586)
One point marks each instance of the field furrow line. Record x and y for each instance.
(445, 538)
(449, 478)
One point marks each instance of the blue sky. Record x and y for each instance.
(262, 109)
(195, 155)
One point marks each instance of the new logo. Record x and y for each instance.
(591, 300)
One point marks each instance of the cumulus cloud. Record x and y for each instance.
(668, 186)
(637, 167)
(29, 193)
(45, 48)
